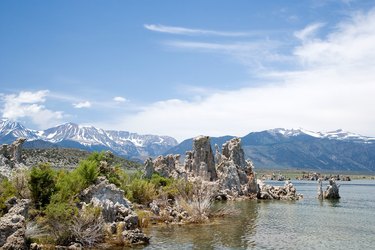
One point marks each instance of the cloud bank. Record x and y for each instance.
(333, 88)
(30, 105)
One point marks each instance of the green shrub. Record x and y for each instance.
(42, 184)
(68, 185)
(7, 190)
(141, 191)
(58, 218)
(88, 170)
(20, 181)
(160, 181)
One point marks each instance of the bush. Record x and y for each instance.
(68, 185)
(88, 226)
(42, 184)
(141, 191)
(160, 181)
(88, 170)
(7, 190)
(59, 220)
(20, 181)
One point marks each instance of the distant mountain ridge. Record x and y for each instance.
(298, 148)
(70, 135)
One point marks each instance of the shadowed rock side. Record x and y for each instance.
(11, 157)
(232, 174)
(331, 192)
(13, 225)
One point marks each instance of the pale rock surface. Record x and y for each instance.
(236, 175)
(13, 225)
(269, 192)
(117, 211)
(11, 157)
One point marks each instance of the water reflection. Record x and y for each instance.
(305, 224)
(235, 231)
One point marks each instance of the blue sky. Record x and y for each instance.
(184, 68)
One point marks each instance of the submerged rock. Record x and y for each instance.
(13, 225)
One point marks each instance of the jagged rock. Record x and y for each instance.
(286, 192)
(168, 166)
(13, 225)
(202, 159)
(236, 175)
(332, 191)
(149, 168)
(115, 207)
(117, 211)
(232, 150)
(11, 157)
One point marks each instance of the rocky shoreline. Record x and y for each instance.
(207, 177)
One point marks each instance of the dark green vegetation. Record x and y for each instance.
(275, 151)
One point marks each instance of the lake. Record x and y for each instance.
(306, 224)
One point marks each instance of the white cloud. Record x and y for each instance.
(309, 31)
(84, 104)
(256, 55)
(28, 105)
(333, 89)
(187, 31)
(119, 99)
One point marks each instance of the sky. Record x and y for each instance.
(186, 68)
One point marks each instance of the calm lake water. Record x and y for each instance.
(306, 224)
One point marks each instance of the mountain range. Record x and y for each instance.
(272, 149)
(70, 135)
(302, 149)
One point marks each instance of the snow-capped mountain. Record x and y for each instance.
(124, 143)
(10, 130)
(332, 135)
(302, 149)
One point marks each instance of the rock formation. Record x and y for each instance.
(13, 225)
(332, 191)
(149, 168)
(236, 175)
(202, 162)
(167, 166)
(11, 156)
(232, 174)
(286, 192)
(117, 211)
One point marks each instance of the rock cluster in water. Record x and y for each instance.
(228, 169)
(286, 192)
(331, 192)
(13, 225)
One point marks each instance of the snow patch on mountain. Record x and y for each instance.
(332, 135)
(121, 142)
